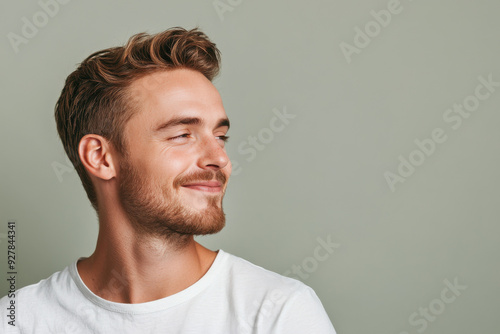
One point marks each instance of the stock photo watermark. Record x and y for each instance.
(276, 297)
(453, 116)
(257, 143)
(423, 316)
(60, 169)
(248, 148)
(32, 24)
(310, 264)
(224, 6)
(89, 314)
(11, 273)
(363, 37)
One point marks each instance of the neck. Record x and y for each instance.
(127, 267)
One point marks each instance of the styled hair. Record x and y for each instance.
(95, 97)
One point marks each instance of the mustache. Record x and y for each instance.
(206, 175)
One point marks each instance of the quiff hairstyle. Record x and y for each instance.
(95, 98)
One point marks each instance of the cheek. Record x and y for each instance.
(172, 164)
(178, 159)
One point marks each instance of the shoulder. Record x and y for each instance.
(245, 272)
(21, 303)
(277, 303)
(46, 287)
(264, 284)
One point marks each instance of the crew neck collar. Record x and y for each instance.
(155, 305)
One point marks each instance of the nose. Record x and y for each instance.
(212, 154)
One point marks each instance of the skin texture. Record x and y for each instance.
(149, 205)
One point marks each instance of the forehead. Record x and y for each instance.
(180, 92)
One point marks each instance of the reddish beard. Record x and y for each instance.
(156, 209)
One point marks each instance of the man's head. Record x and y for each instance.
(151, 107)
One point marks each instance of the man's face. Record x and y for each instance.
(174, 175)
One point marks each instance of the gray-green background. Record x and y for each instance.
(323, 174)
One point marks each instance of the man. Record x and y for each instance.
(145, 129)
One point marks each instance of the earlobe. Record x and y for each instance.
(96, 156)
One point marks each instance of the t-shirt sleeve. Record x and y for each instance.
(304, 313)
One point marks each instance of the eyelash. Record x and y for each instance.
(223, 138)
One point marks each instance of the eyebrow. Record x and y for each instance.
(188, 121)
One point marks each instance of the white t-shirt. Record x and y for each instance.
(234, 296)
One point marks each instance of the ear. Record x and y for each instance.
(97, 156)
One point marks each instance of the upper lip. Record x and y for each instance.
(204, 184)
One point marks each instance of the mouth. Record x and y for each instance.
(207, 186)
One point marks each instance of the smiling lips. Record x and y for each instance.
(209, 186)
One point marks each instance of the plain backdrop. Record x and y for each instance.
(364, 89)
